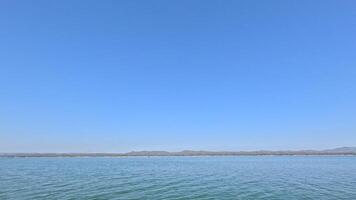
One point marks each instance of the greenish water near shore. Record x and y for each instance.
(258, 177)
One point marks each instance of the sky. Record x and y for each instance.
(117, 76)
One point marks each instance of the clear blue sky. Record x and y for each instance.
(116, 76)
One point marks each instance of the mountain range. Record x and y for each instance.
(335, 151)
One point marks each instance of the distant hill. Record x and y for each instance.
(147, 153)
(336, 151)
(342, 149)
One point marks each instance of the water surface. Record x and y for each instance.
(260, 177)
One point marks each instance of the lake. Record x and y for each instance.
(200, 178)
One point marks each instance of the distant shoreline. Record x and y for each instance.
(309, 155)
(343, 151)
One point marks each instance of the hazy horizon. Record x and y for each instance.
(120, 76)
(162, 150)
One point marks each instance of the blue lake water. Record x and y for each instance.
(260, 177)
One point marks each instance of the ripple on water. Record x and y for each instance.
(201, 178)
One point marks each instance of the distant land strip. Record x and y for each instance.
(337, 151)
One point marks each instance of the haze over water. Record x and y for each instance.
(173, 178)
